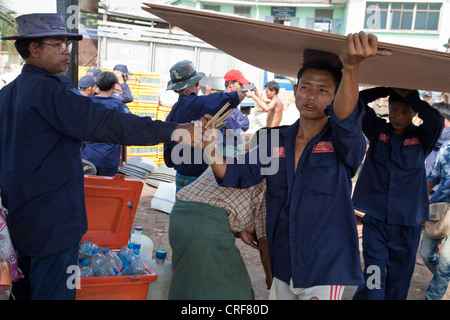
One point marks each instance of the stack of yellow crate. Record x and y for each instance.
(144, 87)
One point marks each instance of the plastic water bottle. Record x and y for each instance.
(99, 265)
(86, 248)
(113, 262)
(146, 243)
(136, 265)
(159, 290)
(85, 270)
(124, 254)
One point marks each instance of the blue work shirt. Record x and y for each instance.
(43, 120)
(392, 185)
(311, 224)
(440, 174)
(104, 154)
(186, 109)
(237, 123)
(126, 95)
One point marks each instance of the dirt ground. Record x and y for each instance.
(156, 223)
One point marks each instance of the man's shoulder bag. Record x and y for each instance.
(439, 225)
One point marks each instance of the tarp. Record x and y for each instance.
(279, 49)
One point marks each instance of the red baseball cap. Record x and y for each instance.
(236, 75)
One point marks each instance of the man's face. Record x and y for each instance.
(235, 86)
(314, 92)
(270, 93)
(50, 56)
(400, 116)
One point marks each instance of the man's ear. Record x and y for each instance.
(34, 49)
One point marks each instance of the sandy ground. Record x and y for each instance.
(156, 224)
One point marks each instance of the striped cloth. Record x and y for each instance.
(246, 207)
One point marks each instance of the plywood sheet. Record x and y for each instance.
(279, 49)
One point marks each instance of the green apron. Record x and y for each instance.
(206, 263)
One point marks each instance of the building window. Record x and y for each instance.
(243, 11)
(427, 16)
(211, 7)
(402, 16)
(323, 20)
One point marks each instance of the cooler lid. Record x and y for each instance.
(111, 204)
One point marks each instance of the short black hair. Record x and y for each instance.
(443, 108)
(23, 46)
(395, 97)
(106, 80)
(273, 86)
(322, 65)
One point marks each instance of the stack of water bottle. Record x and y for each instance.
(98, 262)
(132, 259)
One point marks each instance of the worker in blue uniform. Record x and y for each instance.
(184, 80)
(308, 166)
(104, 155)
(122, 74)
(43, 120)
(392, 190)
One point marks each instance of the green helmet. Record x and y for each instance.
(183, 75)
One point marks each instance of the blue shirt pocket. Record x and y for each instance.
(320, 174)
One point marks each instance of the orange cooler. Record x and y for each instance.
(111, 204)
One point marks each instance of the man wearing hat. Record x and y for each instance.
(184, 80)
(87, 86)
(93, 71)
(237, 122)
(44, 119)
(122, 74)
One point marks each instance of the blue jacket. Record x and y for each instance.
(189, 108)
(104, 154)
(392, 186)
(311, 225)
(126, 96)
(43, 120)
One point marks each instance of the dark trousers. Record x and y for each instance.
(389, 253)
(47, 278)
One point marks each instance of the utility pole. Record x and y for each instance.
(70, 11)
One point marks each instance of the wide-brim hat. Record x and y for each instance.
(42, 25)
(183, 75)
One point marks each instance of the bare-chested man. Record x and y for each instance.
(274, 107)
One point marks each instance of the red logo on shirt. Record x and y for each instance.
(410, 142)
(384, 138)
(278, 152)
(323, 146)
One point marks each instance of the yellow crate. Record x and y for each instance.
(144, 111)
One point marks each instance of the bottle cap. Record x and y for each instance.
(160, 254)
